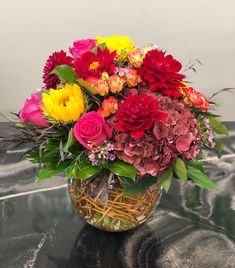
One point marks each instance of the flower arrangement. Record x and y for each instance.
(112, 108)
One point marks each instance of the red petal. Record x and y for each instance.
(137, 134)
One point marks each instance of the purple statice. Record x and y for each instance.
(210, 133)
(101, 153)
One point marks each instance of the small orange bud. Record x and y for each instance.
(109, 106)
(136, 58)
(116, 83)
(195, 98)
(105, 76)
(132, 77)
(100, 87)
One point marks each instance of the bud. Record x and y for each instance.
(100, 86)
(132, 77)
(116, 83)
(109, 106)
(136, 58)
(105, 76)
(195, 98)
(149, 48)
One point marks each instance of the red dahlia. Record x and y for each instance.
(57, 58)
(137, 114)
(161, 72)
(91, 64)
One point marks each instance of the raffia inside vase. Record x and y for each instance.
(120, 212)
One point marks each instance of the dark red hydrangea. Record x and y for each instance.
(57, 58)
(177, 135)
(162, 73)
(91, 64)
(137, 114)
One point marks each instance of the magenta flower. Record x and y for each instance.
(91, 130)
(82, 46)
(32, 113)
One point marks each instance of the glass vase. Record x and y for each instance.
(117, 211)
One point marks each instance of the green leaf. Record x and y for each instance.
(34, 156)
(219, 147)
(52, 170)
(65, 74)
(165, 179)
(200, 178)
(19, 125)
(82, 83)
(218, 127)
(51, 152)
(122, 169)
(196, 164)
(70, 141)
(82, 171)
(180, 169)
(139, 186)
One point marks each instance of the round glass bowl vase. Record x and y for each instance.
(117, 212)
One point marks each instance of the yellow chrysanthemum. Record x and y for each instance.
(122, 44)
(64, 105)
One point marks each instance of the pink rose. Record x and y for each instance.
(82, 46)
(91, 130)
(31, 112)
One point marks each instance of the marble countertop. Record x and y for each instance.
(190, 228)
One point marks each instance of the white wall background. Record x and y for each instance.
(33, 29)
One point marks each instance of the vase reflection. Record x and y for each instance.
(95, 248)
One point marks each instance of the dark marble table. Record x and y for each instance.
(191, 227)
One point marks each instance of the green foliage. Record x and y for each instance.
(51, 151)
(165, 178)
(88, 90)
(218, 127)
(34, 156)
(49, 154)
(72, 145)
(82, 171)
(196, 164)
(52, 170)
(82, 83)
(219, 147)
(19, 125)
(199, 178)
(137, 187)
(180, 169)
(122, 169)
(65, 74)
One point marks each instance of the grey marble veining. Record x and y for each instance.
(190, 228)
